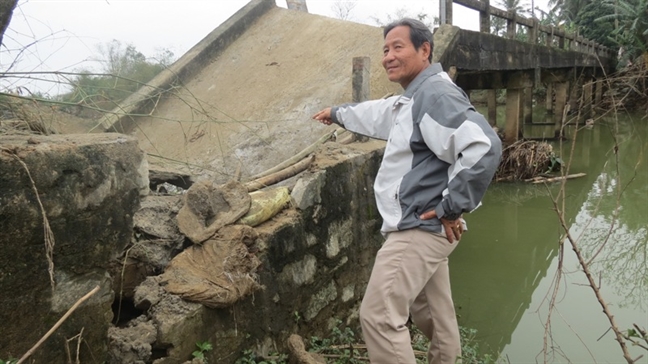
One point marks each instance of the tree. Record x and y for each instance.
(124, 70)
(342, 9)
(498, 25)
(568, 10)
(401, 13)
(587, 21)
(6, 12)
(621, 24)
(632, 32)
(549, 19)
(521, 8)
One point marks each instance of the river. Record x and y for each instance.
(505, 270)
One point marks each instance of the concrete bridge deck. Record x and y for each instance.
(481, 59)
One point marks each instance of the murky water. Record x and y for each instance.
(505, 270)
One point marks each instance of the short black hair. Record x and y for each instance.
(419, 32)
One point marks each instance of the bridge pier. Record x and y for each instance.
(528, 105)
(598, 92)
(587, 99)
(562, 90)
(513, 128)
(549, 98)
(492, 107)
(519, 100)
(574, 91)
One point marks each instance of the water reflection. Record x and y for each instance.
(505, 266)
(616, 212)
(496, 271)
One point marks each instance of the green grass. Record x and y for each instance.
(342, 346)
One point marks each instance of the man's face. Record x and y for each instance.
(401, 60)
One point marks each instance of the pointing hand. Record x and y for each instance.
(324, 116)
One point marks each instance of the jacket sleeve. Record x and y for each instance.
(461, 137)
(371, 118)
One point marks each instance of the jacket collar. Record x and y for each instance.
(430, 71)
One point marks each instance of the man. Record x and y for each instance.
(439, 159)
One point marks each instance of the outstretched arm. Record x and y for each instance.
(371, 118)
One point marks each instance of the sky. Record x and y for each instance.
(64, 35)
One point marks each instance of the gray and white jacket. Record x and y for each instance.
(441, 154)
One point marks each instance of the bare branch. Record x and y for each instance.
(342, 9)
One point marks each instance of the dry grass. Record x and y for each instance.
(627, 89)
(23, 117)
(523, 160)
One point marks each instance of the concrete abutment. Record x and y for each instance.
(316, 256)
(77, 193)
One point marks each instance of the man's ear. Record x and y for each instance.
(427, 49)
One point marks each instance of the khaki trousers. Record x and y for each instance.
(410, 275)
